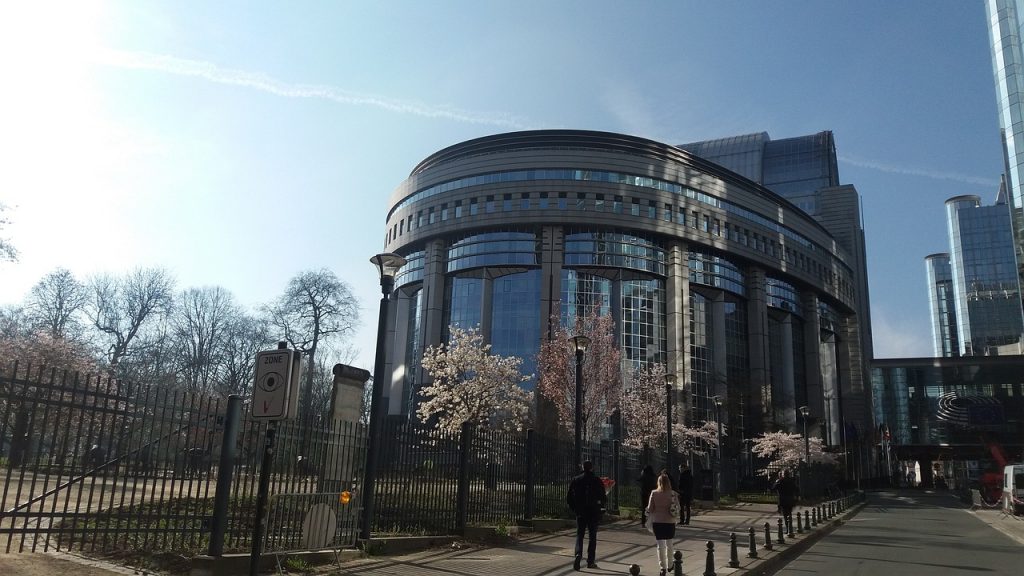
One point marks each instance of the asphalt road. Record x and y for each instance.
(911, 533)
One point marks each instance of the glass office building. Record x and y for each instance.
(979, 278)
(1005, 34)
(722, 280)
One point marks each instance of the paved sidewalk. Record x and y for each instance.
(620, 544)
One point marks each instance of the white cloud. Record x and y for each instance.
(220, 75)
(922, 172)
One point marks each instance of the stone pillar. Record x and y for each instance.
(677, 324)
(397, 390)
(759, 354)
(552, 245)
(347, 393)
(787, 387)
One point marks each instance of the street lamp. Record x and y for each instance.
(718, 419)
(828, 419)
(387, 266)
(580, 342)
(670, 380)
(804, 412)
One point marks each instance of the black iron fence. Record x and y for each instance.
(100, 465)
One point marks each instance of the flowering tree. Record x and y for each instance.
(643, 408)
(697, 440)
(785, 450)
(602, 373)
(472, 385)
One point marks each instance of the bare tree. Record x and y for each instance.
(245, 336)
(315, 306)
(55, 301)
(7, 250)
(14, 322)
(119, 307)
(200, 323)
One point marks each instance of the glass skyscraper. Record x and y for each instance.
(1005, 34)
(980, 277)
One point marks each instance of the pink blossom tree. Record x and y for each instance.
(472, 385)
(602, 372)
(643, 415)
(785, 450)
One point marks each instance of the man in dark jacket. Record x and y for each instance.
(586, 498)
(685, 489)
(788, 495)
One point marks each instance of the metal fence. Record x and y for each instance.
(100, 465)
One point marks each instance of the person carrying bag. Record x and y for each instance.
(663, 513)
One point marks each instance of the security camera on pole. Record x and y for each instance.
(275, 396)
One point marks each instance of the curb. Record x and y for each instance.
(770, 564)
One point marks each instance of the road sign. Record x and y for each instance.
(273, 390)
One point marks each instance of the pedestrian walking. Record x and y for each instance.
(685, 488)
(788, 494)
(648, 482)
(663, 511)
(586, 498)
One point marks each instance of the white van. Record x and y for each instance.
(1013, 488)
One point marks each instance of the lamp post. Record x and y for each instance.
(804, 412)
(718, 419)
(387, 266)
(828, 419)
(670, 380)
(580, 342)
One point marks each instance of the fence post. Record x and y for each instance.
(462, 497)
(224, 469)
(617, 467)
(530, 505)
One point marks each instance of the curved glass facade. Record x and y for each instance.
(515, 329)
(494, 249)
(613, 249)
(715, 271)
(783, 295)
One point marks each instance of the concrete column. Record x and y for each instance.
(397, 391)
(486, 302)
(677, 323)
(433, 292)
(787, 387)
(552, 247)
(812, 353)
(758, 353)
(719, 356)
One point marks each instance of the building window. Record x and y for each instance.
(599, 202)
(563, 201)
(581, 201)
(506, 203)
(444, 212)
(617, 205)
(634, 209)
(524, 202)
(472, 207)
(543, 202)
(489, 207)
(652, 210)
(458, 208)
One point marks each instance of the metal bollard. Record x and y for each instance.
(734, 556)
(814, 516)
(709, 566)
(753, 545)
(767, 536)
(807, 520)
(799, 524)
(677, 566)
(634, 569)
(782, 536)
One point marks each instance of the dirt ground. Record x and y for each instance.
(58, 564)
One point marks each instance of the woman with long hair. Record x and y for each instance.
(663, 513)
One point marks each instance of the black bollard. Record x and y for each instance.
(767, 536)
(634, 569)
(799, 524)
(789, 527)
(709, 566)
(753, 545)
(734, 556)
(807, 520)
(677, 566)
(814, 516)
(782, 535)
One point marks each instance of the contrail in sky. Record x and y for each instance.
(214, 73)
(909, 171)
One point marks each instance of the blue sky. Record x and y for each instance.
(238, 143)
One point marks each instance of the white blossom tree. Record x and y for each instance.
(785, 450)
(697, 440)
(469, 384)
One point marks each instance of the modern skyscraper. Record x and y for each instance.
(945, 340)
(979, 276)
(1005, 34)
